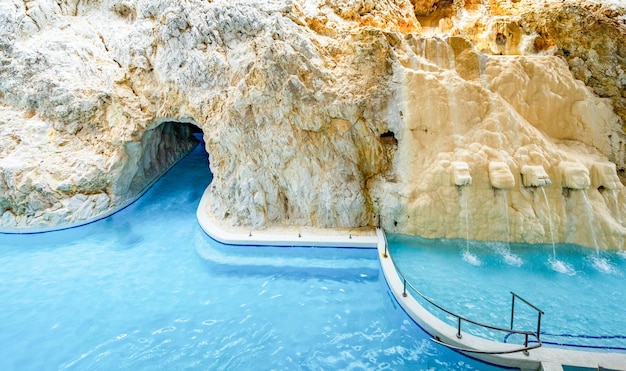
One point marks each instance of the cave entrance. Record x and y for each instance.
(162, 147)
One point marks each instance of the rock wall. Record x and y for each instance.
(320, 113)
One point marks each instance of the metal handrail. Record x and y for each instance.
(539, 311)
(461, 319)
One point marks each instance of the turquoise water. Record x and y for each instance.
(583, 295)
(146, 289)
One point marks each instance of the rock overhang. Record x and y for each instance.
(286, 92)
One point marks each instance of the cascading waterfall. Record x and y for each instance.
(509, 258)
(464, 198)
(505, 205)
(545, 197)
(556, 264)
(599, 262)
(618, 217)
(590, 219)
(467, 254)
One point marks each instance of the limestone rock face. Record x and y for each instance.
(501, 176)
(320, 113)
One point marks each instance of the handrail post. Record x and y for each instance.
(512, 308)
(458, 331)
(404, 294)
(526, 345)
(539, 313)
(539, 325)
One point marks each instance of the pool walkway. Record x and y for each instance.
(284, 236)
(543, 358)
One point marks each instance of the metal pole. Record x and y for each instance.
(458, 332)
(526, 346)
(538, 324)
(404, 290)
(512, 309)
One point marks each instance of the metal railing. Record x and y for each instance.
(539, 312)
(461, 319)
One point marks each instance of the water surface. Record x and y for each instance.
(147, 289)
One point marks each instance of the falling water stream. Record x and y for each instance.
(556, 264)
(618, 217)
(545, 197)
(467, 254)
(599, 262)
(590, 219)
(505, 205)
(509, 258)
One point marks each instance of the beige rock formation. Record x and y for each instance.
(500, 175)
(319, 113)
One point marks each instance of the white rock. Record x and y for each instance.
(574, 175)
(535, 176)
(317, 113)
(604, 175)
(500, 175)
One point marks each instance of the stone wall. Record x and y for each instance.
(320, 113)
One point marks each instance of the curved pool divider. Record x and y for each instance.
(543, 358)
(293, 236)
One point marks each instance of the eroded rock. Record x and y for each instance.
(317, 113)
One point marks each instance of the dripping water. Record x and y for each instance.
(616, 205)
(509, 258)
(545, 197)
(599, 262)
(556, 264)
(590, 219)
(618, 217)
(467, 254)
(505, 202)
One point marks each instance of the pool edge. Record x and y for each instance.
(271, 237)
(542, 358)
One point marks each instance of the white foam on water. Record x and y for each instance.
(512, 259)
(603, 265)
(561, 267)
(471, 258)
(508, 257)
